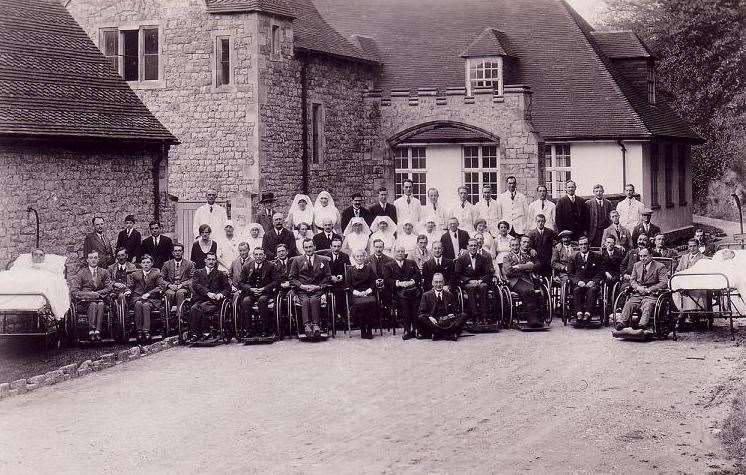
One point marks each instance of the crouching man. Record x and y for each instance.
(648, 279)
(439, 312)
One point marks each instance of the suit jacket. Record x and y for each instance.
(337, 266)
(612, 263)
(463, 271)
(84, 287)
(93, 243)
(265, 220)
(543, 244)
(114, 269)
(573, 217)
(266, 277)
(380, 265)
(234, 273)
(153, 284)
(514, 275)
(562, 257)
(623, 236)
(271, 240)
(639, 229)
(629, 261)
(348, 214)
(687, 260)
(131, 243)
(420, 258)
(430, 268)
(301, 273)
(586, 270)
(408, 271)
(377, 210)
(182, 278)
(160, 254)
(656, 277)
(215, 282)
(598, 219)
(431, 307)
(665, 252)
(448, 250)
(321, 242)
(283, 268)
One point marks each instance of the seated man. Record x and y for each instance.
(209, 287)
(632, 258)
(92, 285)
(178, 273)
(438, 264)
(338, 261)
(474, 272)
(236, 267)
(621, 234)
(647, 280)
(258, 283)
(585, 277)
(562, 256)
(660, 249)
(145, 289)
(542, 240)
(518, 267)
(421, 254)
(323, 239)
(282, 263)
(310, 275)
(120, 271)
(612, 257)
(404, 278)
(439, 312)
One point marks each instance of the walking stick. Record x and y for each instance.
(740, 215)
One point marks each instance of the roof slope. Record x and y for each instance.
(55, 82)
(274, 7)
(490, 42)
(620, 44)
(575, 95)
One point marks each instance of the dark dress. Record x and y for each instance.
(198, 257)
(363, 308)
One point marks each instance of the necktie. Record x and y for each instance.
(129, 232)
(310, 262)
(210, 208)
(455, 235)
(434, 207)
(542, 204)
(512, 195)
(329, 237)
(409, 200)
(93, 272)
(488, 203)
(177, 266)
(642, 279)
(463, 205)
(357, 213)
(156, 241)
(437, 262)
(440, 297)
(121, 268)
(101, 237)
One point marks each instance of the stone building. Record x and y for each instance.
(75, 141)
(347, 95)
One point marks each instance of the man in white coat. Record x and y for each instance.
(209, 213)
(544, 206)
(488, 209)
(464, 211)
(408, 207)
(514, 206)
(630, 210)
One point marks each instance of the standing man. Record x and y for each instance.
(630, 210)
(488, 209)
(464, 211)
(408, 208)
(438, 264)
(598, 215)
(646, 227)
(544, 206)
(572, 212)
(178, 273)
(159, 247)
(278, 235)
(405, 278)
(323, 239)
(98, 241)
(542, 241)
(621, 234)
(433, 210)
(92, 285)
(474, 272)
(514, 207)
(355, 211)
(265, 212)
(129, 238)
(382, 206)
(209, 213)
(209, 287)
(258, 282)
(454, 240)
(309, 276)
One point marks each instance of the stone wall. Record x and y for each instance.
(68, 185)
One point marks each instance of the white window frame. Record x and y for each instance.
(475, 62)
(416, 174)
(140, 82)
(555, 175)
(480, 170)
(218, 61)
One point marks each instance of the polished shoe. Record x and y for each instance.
(407, 336)
(146, 336)
(316, 330)
(619, 327)
(453, 337)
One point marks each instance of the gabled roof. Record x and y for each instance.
(54, 82)
(490, 42)
(576, 93)
(620, 44)
(273, 7)
(447, 133)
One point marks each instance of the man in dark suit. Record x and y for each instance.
(146, 285)
(120, 271)
(646, 227)
(178, 274)
(648, 279)
(354, 211)
(278, 235)
(309, 276)
(98, 241)
(129, 238)
(380, 262)
(572, 212)
(159, 247)
(282, 263)
(518, 267)
(632, 257)
(438, 264)
(598, 215)
(454, 240)
(612, 256)
(621, 235)
(382, 206)
(473, 272)
(210, 287)
(258, 283)
(585, 277)
(439, 311)
(404, 278)
(323, 239)
(337, 262)
(542, 241)
(91, 286)
(265, 212)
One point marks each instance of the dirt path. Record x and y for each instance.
(563, 401)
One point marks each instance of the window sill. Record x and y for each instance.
(158, 84)
(223, 89)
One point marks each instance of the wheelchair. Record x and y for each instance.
(160, 324)
(219, 332)
(496, 304)
(77, 325)
(565, 302)
(512, 305)
(249, 334)
(328, 312)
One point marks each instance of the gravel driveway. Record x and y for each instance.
(563, 401)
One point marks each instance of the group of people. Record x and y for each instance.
(410, 254)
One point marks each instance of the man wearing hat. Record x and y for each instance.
(209, 213)
(265, 212)
(563, 255)
(645, 227)
(129, 238)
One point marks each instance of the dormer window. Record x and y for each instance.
(485, 72)
(485, 61)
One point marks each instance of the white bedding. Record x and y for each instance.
(730, 263)
(47, 280)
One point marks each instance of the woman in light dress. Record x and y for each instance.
(489, 241)
(407, 238)
(301, 211)
(255, 237)
(356, 236)
(302, 232)
(384, 229)
(502, 243)
(324, 207)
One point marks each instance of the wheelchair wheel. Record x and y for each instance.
(619, 302)
(664, 322)
(181, 324)
(225, 323)
(564, 304)
(547, 307)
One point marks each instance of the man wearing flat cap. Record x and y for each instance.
(563, 254)
(645, 227)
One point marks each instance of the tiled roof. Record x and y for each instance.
(620, 44)
(489, 43)
(55, 82)
(575, 94)
(274, 7)
(447, 134)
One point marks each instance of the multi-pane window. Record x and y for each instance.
(485, 72)
(317, 132)
(557, 168)
(222, 61)
(480, 169)
(668, 175)
(411, 162)
(683, 161)
(135, 54)
(654, 175)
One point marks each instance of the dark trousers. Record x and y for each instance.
(408, 308)
(445, 327)
(177, 297)
(478, 300)
(200, 315)
(585, 297)
(96, 314)
(310, 303)
(525, 291)
(262, 303)
(143, 308)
